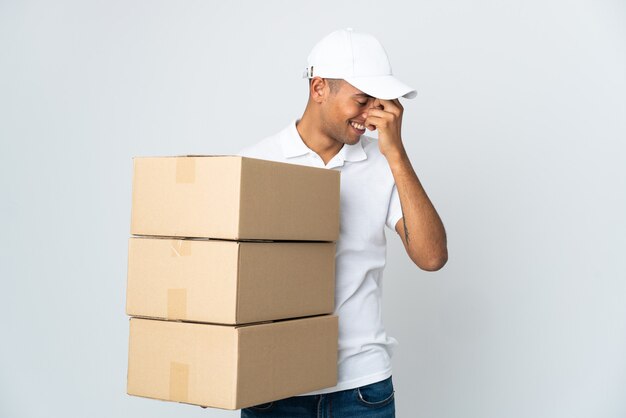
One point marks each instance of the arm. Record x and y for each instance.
(420, 228)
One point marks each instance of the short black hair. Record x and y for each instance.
(333, 83)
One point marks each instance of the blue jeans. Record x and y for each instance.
(373, 401)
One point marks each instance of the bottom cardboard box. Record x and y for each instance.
(231, 367)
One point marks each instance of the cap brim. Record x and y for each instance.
(385, 87)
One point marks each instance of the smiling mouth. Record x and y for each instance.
(357, 126)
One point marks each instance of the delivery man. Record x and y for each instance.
(351, 90)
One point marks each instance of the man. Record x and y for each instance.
(351, 89)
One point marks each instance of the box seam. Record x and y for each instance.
(234, 391)
(238, 284)
(239, 197)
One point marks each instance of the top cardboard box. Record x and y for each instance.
(232, 197)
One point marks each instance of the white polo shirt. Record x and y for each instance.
(369, 201)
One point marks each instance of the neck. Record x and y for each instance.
(313, 136)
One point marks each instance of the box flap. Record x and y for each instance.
(186, 196)
(182, 362)
(285, 280)
(286, 358)
(182, 279)
(286, 201)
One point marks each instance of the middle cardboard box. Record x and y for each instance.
(229, 282)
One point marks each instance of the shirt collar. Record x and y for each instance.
(293, 146)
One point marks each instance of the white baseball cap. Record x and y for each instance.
(359, 59)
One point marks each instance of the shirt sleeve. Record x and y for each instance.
(394, 212)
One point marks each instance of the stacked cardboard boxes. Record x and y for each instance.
(231, 280)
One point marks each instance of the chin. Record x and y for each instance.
(350, 139)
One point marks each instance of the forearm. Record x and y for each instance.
(423, 233)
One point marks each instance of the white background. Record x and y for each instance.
(517, 134)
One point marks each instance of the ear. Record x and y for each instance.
(318, 89)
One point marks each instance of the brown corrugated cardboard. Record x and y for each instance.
(231, 367)
(229, 282)
(236, 198)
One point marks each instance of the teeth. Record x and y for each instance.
(357, 125)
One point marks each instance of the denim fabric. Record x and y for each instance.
(375, 400)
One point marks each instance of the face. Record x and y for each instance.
(343, 113)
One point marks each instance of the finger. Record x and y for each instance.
(379, 113)
(392, 106)
(387, 117)
(373, 122)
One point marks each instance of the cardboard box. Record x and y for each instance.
(236, 198)
(229, 282)
(231, 367)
